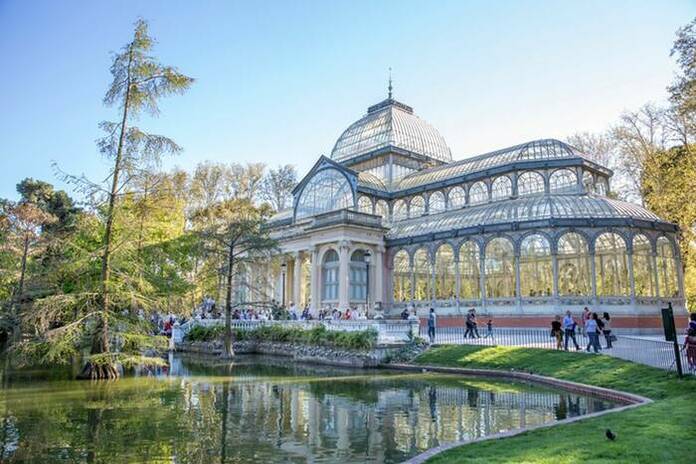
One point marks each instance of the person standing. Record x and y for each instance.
(432, 324)
(556, 331)
(690, 348)
(569, 325)
(606, 320)
(586, 316)
(592, 330)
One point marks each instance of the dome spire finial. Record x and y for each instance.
(390, 84)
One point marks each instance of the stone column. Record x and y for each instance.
(378, 272)
(482, 278)
(343, 275)
(518, 285)
(631, 278)
(315, 281)
(296, 279)
(656, 278)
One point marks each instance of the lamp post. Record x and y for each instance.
(282, 284)
(368, 256)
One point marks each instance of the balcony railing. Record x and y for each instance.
(346, 216)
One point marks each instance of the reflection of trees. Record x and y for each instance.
(243, 416)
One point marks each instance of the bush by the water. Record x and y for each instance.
(319, 335)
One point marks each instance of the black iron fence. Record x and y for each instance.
(644, 350)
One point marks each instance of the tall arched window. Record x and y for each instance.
(478, 193)
(573, 266)
(536, 269)
(501, 188)
(445, 273)
(588, 181)
(530, 183)
(365, 204)
(329, 276)
(666, 269)
(643, 275)
(469, 271)
(500, 269)
(400, 212)
(421, 270)
(611, 265)
(436, 202)
(416, 207)
(401, 277)
(602, 186)
(563, 181)
(382, 209)
(328, 190)
(358, 276)
(457, 198)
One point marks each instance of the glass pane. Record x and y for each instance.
(611, 265)
(402, 277)
(536, 268)
(328, 190)
(500, 269)
(445, 273)
(573, 266)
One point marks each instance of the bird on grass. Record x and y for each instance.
(610, 435)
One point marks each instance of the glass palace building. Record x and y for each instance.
(521, 233)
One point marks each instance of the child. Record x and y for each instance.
(489, 329)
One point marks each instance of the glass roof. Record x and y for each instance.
(520, 210)
(536, 150)
(391, 124)
(370, 180)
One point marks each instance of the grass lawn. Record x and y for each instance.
(661, 432)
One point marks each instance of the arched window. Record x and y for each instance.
(501, 188)
(382, 209)
(574, 272)
(666, 269)
(500, 269)
(329, 276)
(478, 193)
(530, 183)
(416, 207)
(445, 273)
(328, 190)
(643, 275)
(421, 270)
(401, 277)
(436, 202)
(588, 181)
(563, 181)
(400, 212)
(365, 204)
(602, 186)
(457, 198)
(469, 271)
(358, 276)
(611, 265)
(536, 269)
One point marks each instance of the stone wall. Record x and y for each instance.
(298, 352)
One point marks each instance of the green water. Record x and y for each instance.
(261, 410)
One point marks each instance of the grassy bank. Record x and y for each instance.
(664, 431)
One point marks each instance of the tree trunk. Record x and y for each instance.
(228, 351)
(17, 333)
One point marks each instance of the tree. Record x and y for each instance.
(277, 186)
(236, 232)
(139, 82)
(683, 90)
(25, 222)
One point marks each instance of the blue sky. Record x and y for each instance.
(278, 81)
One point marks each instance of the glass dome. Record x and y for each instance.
(391, 124)
(328, 190)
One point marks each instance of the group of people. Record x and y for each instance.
(591, 324)
(471, 324)
(326, 314)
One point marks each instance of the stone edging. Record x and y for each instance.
(629, 401)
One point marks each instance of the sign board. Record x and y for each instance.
(668, 324)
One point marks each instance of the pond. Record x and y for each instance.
(262, 410)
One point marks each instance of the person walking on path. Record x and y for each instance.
(489, 329)
(569, 325)
(592, 329)
(471, 327)
(690, 348)
(556, 332)
(586, 316)
(432, 323)
(606, 320)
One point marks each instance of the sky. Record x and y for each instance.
(278, 81)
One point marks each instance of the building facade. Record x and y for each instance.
(390, 221)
